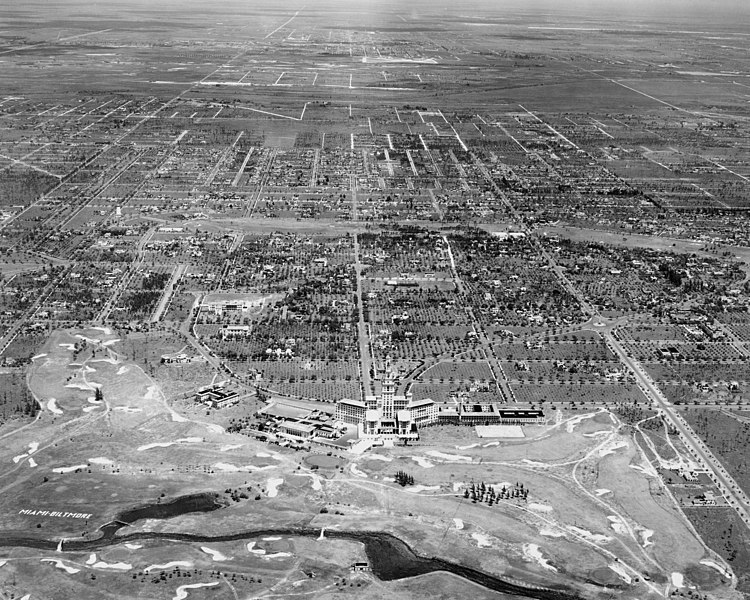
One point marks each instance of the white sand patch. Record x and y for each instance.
(719, 568)
(228, 447)
(92, 559)
(88, 409)
(108, 359)
(52, 406)
(273, 486)
(190, 440)
(226, 467)
(87, 339)
(272, 538)
(598, 433)
(422, 462)
(264, 455)
(532, 553)
(122, 370)
(617, 524)
(33, 447)
(87, 369)
(93, 400)
(482, 540)
(379, 457)
(646, 537)
(79, 386)
(278, 555)
(215, 555)
(646, 469)
(550, 532)
(70, 347)
(570, 425)
(38, 356)
(69, 469)
(251, 548)
(3, 563)
(491, 444)
(602, 491)
(177, 418)
(212, 427)
(621, 572)
(587, 535)
(32, 463)
(110, 342)
(181, 592)
(466, 447)
(458, 523)
(127, 409)
(104, 330)
(545, 508)
(678, 580)
(152, 393)
(457, 485)
(175, 563)
(355, 471)
(100, 460)
(133, 546)
(611, 446)
(449, 457)
(61, 565)
(316, 482)
(154, 445)
(415, 489)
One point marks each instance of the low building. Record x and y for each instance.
(217, 396)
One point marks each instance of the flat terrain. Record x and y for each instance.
(533, 206)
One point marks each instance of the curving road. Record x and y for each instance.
(727, 485)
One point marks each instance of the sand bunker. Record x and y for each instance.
(130, 546)
(228, 447)
(181, 592)
(52, 407)
(458, 523)
(617, 524)
(379, 457)
(678, 580)
(422, 462)
(719, 568)
(482, 540)
(602, 491)
(154, 445)
(540, 507)
(621, 572)
(69, 469)
(273, 486)
(33, 447)
(32, 462)
(571, 424)
(251, 548)
(611, 446)
(61, 565)
(587, 535)
(126, 409)
(533, 553)
(357, 472)
(215, 555)
(422, 488)
(550, 532)
(646, 537)
(100, 460)
(449, 457)
(175, 563)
